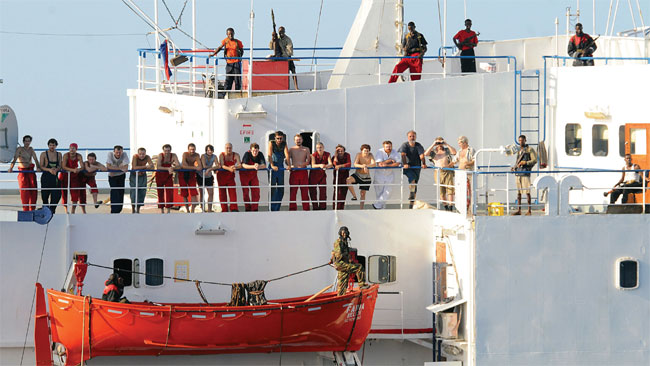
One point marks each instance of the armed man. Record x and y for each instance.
(341, 260)
(581, 45)
(283, 48)
(414, 47)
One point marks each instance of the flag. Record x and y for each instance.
(165, 56)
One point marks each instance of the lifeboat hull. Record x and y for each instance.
(326, 323)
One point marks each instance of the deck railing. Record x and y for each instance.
(202, 73)
(489, 192)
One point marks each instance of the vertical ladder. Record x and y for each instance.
(529, 107)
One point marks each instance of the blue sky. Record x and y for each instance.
(73, 88)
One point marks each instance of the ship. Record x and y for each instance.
(471, 286)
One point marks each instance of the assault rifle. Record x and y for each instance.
(580, 52)
(276, 38)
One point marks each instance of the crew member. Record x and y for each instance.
(581, 45)
(190, 160)
(631, 178)
(72, 166)
(166, 163)
(414, 47)
(233, 48)
(27, 180)
(230, 162)
(466, 40)
(299, 158)
(50, 184)
(278, 153)
(283, 47)
(341, 260)
(252, 161)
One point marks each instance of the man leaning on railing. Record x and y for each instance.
(117, 163)
(27, 179)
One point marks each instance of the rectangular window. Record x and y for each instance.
(153, 272)
(600, 140)
(637, 141)
(621, 141)
(123, 268)
(573, 139)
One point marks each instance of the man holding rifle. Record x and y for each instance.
(581, 45)
(283, 48)
(465, 40)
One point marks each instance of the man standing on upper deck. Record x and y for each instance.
(581, 45)
(299, 158)
(413, 161)
(233, 48)
(386, 158)
(526, 160)
(26, 181)
(466, 40)
(283, 47)
(414, 46)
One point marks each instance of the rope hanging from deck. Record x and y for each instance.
(200, 281)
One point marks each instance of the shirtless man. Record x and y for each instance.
(299, 157)
(230, 162)
(72, 165)
(140, 161)
(361, 176)
(26, 181)
(166, 163)
(465, 160)
(187, 178)
(87, 177)
(50, 184)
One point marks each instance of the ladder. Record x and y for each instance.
(346, 359)
(528, 122)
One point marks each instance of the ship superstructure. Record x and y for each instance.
(568, 285)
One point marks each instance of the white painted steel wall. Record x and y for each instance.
(618, 91)
(545, 290)
(255, 246)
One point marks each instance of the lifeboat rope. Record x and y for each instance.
(354, 324)
(200, 290)
(169, 327)
(38, 274)
(200, 281)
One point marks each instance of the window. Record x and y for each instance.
(153, 272)
(637, 141)
(600, 140)
(573, 139)
(621, 141)
(123, 268)
(382, 268)
(627, 273)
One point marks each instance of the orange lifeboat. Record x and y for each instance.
(325, 323)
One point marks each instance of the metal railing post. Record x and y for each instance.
(401, 188)
(508, 194)
(336, 189)
(203, 192)
(379, 72)
(68, 195)
(438, 171)
(315, 73)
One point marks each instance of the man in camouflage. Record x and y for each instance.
(341, 260)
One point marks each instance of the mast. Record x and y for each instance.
(193, 44)
(155, 16)
(250, 54)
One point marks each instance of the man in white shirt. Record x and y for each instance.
(387, 158)
(117, 163)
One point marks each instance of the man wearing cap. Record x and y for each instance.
(414, 47)
(341, 260)
(117, 163)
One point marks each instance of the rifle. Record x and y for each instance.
(277, 48)
(580, 51)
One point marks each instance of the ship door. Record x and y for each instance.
(637, 136)
(310, 139)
